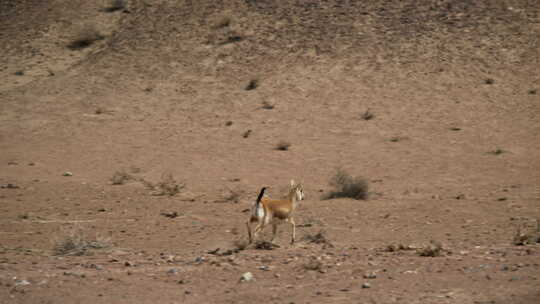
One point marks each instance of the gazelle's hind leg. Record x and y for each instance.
(257, 229)
(250, 237)
(291, 220)
(274, 232)
(252, 234)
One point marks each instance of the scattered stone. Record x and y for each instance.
(200, 260)
(173, 271)
(265, 245)
(170, 214)
(129, 264)
(370, 275)
(67, 173)
(265, 268)
(22, 282)
(9, 186)
(366, 285)
(74, 274)
(246, 277)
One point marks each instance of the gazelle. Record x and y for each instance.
(274, 211)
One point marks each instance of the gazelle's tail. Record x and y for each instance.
(257, 210)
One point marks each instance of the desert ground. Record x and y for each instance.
(135, 136)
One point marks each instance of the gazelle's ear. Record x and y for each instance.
(292, 183)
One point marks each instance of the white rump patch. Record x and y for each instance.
(260, 212)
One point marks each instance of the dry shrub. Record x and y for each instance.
(314, 265)
(115, 5)
(397, 247)
(283, 145)
(265, 245)
(167, 186)
(367, 115)
(497, 152)
(252, 85)
(525, 236)
(318, 238)
(233, 196)
(434, 249)
(222, 21)
(120, 177)
(76, 243)
(348, 186)
(240, 245)
(85, 38)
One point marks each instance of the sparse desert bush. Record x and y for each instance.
(265, 245)
(240, 245)
(115, 5)
(318, 238)
(525, 236)
(347, 186)
(433, 249)
(167, 186)
(367, 115)
(233, 196)
(496, 152)
(120, 177)
(232, 38)
(222, 21)
(314, 265)
(283, 145)
(76, 243)
(252, 85)
(397, 247)
(267, 106)
(246, 134)
(85, 37)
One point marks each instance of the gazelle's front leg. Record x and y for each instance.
(291, 220)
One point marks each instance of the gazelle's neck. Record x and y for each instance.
(293, 198)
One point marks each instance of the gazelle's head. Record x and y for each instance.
(297, 190)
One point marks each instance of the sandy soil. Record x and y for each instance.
(91, 95)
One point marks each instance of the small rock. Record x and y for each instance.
(199, 260)
(67, 173)
(370, 275)
(246, 277)
(173, 271)
(265, 268)
(9, 186)
(128, 264)
(22, 282)
(366, 285)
